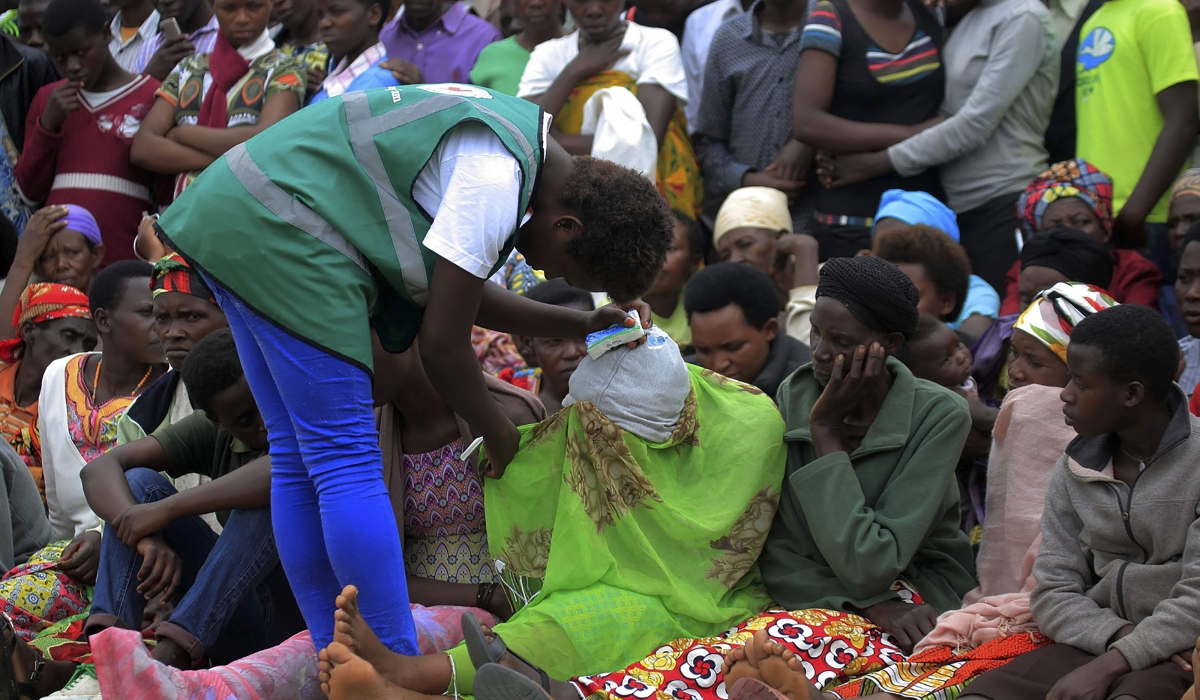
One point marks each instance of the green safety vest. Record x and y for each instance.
(313, 224)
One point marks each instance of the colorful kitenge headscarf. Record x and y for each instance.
(1188, 184)
(172, 274)
(1070, 178)
(1055, 312)
(40, 303)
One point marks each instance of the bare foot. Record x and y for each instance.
(783, 671)
(350, 677)
(738, 666)
(424, 674)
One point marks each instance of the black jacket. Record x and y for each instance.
(23, 71)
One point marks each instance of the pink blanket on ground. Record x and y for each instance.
(286, 672)
(1029, 437)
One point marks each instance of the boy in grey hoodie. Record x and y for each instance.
(1118, 573)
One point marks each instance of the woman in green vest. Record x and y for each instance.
(390, 209)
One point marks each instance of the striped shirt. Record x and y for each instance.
(203, 39)
(918, 59)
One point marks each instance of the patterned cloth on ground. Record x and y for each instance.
(833, 647)
(36, 595)
(940, 673)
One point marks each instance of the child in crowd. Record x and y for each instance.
(233, 598)
(80, 130)
(751, 60)
(551, 361)
(350, 28)
(733, 311)
(192, 121)
(937, 265)
(665, 298)
(754, 226)
(1117, 565)
(1057, 255)
(435, 42)
(501, 63)
(898, 208)
(1076, 194)
(62, 244)
(52, 321)
(609, 51)
(1136, 111)
(936, 353)
(84, 396)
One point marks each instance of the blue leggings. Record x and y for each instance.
(333, 519)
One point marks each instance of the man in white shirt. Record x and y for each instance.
(697, 37)
(139, 16)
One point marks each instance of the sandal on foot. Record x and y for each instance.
(753, 689)
(496, 682)
(484, 652)
(10, 688)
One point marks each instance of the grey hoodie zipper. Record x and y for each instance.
(1125, 509)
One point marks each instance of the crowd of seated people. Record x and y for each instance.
(911, 416)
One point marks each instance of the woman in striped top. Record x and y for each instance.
(870, 76)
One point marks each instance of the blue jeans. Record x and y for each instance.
(233, 598)
(333, 519)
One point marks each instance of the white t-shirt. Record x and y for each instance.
(471, 187)
(654, 59)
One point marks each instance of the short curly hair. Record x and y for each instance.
(627, 226)
(1136, 344)
(212, 366)
(746, 286)
(945, 262)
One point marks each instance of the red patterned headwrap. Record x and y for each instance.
(172, 274)
(39, 303)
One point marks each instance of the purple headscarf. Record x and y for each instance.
(81, 221)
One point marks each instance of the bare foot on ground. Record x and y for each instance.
(776, 666)
(421, 674)
(738, 666)
(351, 677)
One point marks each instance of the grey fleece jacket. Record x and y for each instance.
(1113, 555)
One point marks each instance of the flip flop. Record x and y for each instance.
(484, 652)
(496, 682)
(10, 689)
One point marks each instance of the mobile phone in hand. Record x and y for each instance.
(170, 29)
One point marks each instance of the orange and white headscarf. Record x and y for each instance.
(39, 303)
(1054, 313)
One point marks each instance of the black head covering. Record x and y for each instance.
(875, 291)
(1078, 256)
